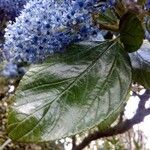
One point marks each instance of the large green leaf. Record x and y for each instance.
(141, 65)
(70, 93)
(131, 32)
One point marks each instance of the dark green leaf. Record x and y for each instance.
(109, 17)
(131, 32)
(70, 93)
(107, 20)
(141, 65)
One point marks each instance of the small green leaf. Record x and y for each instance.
(107, 20)
(141, 65)
(131, 32)
(142, 77)
(108, 17)
(70, 93)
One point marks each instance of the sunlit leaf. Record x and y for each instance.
(70, 93)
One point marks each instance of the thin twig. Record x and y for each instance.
(73, 141)
(121, 127)
(5, 144)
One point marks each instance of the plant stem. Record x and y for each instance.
(5, 144)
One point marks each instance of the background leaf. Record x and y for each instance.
(131, 32)
(141, 65)
(70, 92)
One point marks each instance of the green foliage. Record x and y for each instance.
(70, 92)
(141, 65)
(142, 77)
(113, 144)
(108, 17)
(84, 87)
(131, 32)
(107, 20)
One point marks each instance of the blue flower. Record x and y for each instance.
(148, 4)
(104, 5)
(12, 71)
(45, 27)
(11, 8)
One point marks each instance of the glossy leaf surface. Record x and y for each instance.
(70, 92)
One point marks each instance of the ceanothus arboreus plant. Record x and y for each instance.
(75, 60)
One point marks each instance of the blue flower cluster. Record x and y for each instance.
(47, 26)
(13, 71)
(107, 4)
(11, 8)
(148, 4)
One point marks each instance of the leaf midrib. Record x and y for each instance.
(70, 85)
